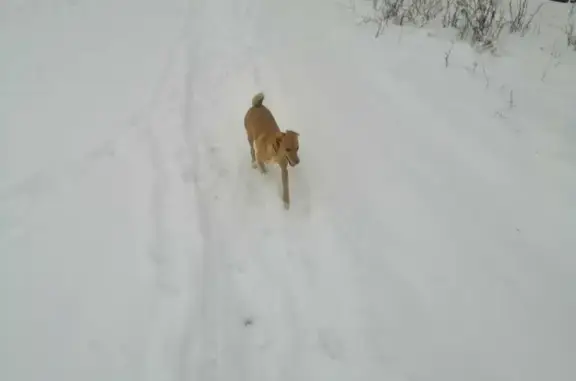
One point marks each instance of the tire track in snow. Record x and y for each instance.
(206, 357)
(220, 351)
(177, 245)
(271, 348)
(258, 270)
(198, 345)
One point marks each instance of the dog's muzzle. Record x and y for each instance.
(293, 163)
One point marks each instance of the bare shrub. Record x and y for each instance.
(451, 14)
(384, 11)
(393, 10)
(570, 36)
(421, 12)
(517, 15)
(478, 21)
(569, 29)
(483, 22)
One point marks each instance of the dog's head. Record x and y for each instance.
(288, 145)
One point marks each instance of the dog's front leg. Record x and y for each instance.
(285, 190)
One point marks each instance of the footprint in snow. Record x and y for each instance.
(248, 322)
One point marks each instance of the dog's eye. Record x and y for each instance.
(288, 149)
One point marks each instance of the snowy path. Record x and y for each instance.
(259, 317)
(425, 240)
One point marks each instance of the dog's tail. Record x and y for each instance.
(257, 100)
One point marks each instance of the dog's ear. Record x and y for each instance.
(279, 137)
(278, 140)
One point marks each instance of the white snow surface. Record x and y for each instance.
(431, 235)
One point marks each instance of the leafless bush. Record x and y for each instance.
(451, 16)
(571, 37)
(393, 10)
(399, 12)
(421, 12)
(384, 11)
(478, 21)
(569, 29)
(517, 15)
(483, 22)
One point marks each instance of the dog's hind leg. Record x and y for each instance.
(252, 153)
(256, 163)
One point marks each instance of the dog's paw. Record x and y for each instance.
(286, 205)
(254, 165)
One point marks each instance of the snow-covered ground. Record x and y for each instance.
(431, 233)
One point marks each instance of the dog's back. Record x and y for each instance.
(259, 120)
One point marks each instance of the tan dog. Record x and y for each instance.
(270, 145)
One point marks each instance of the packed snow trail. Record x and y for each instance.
(258, 322)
